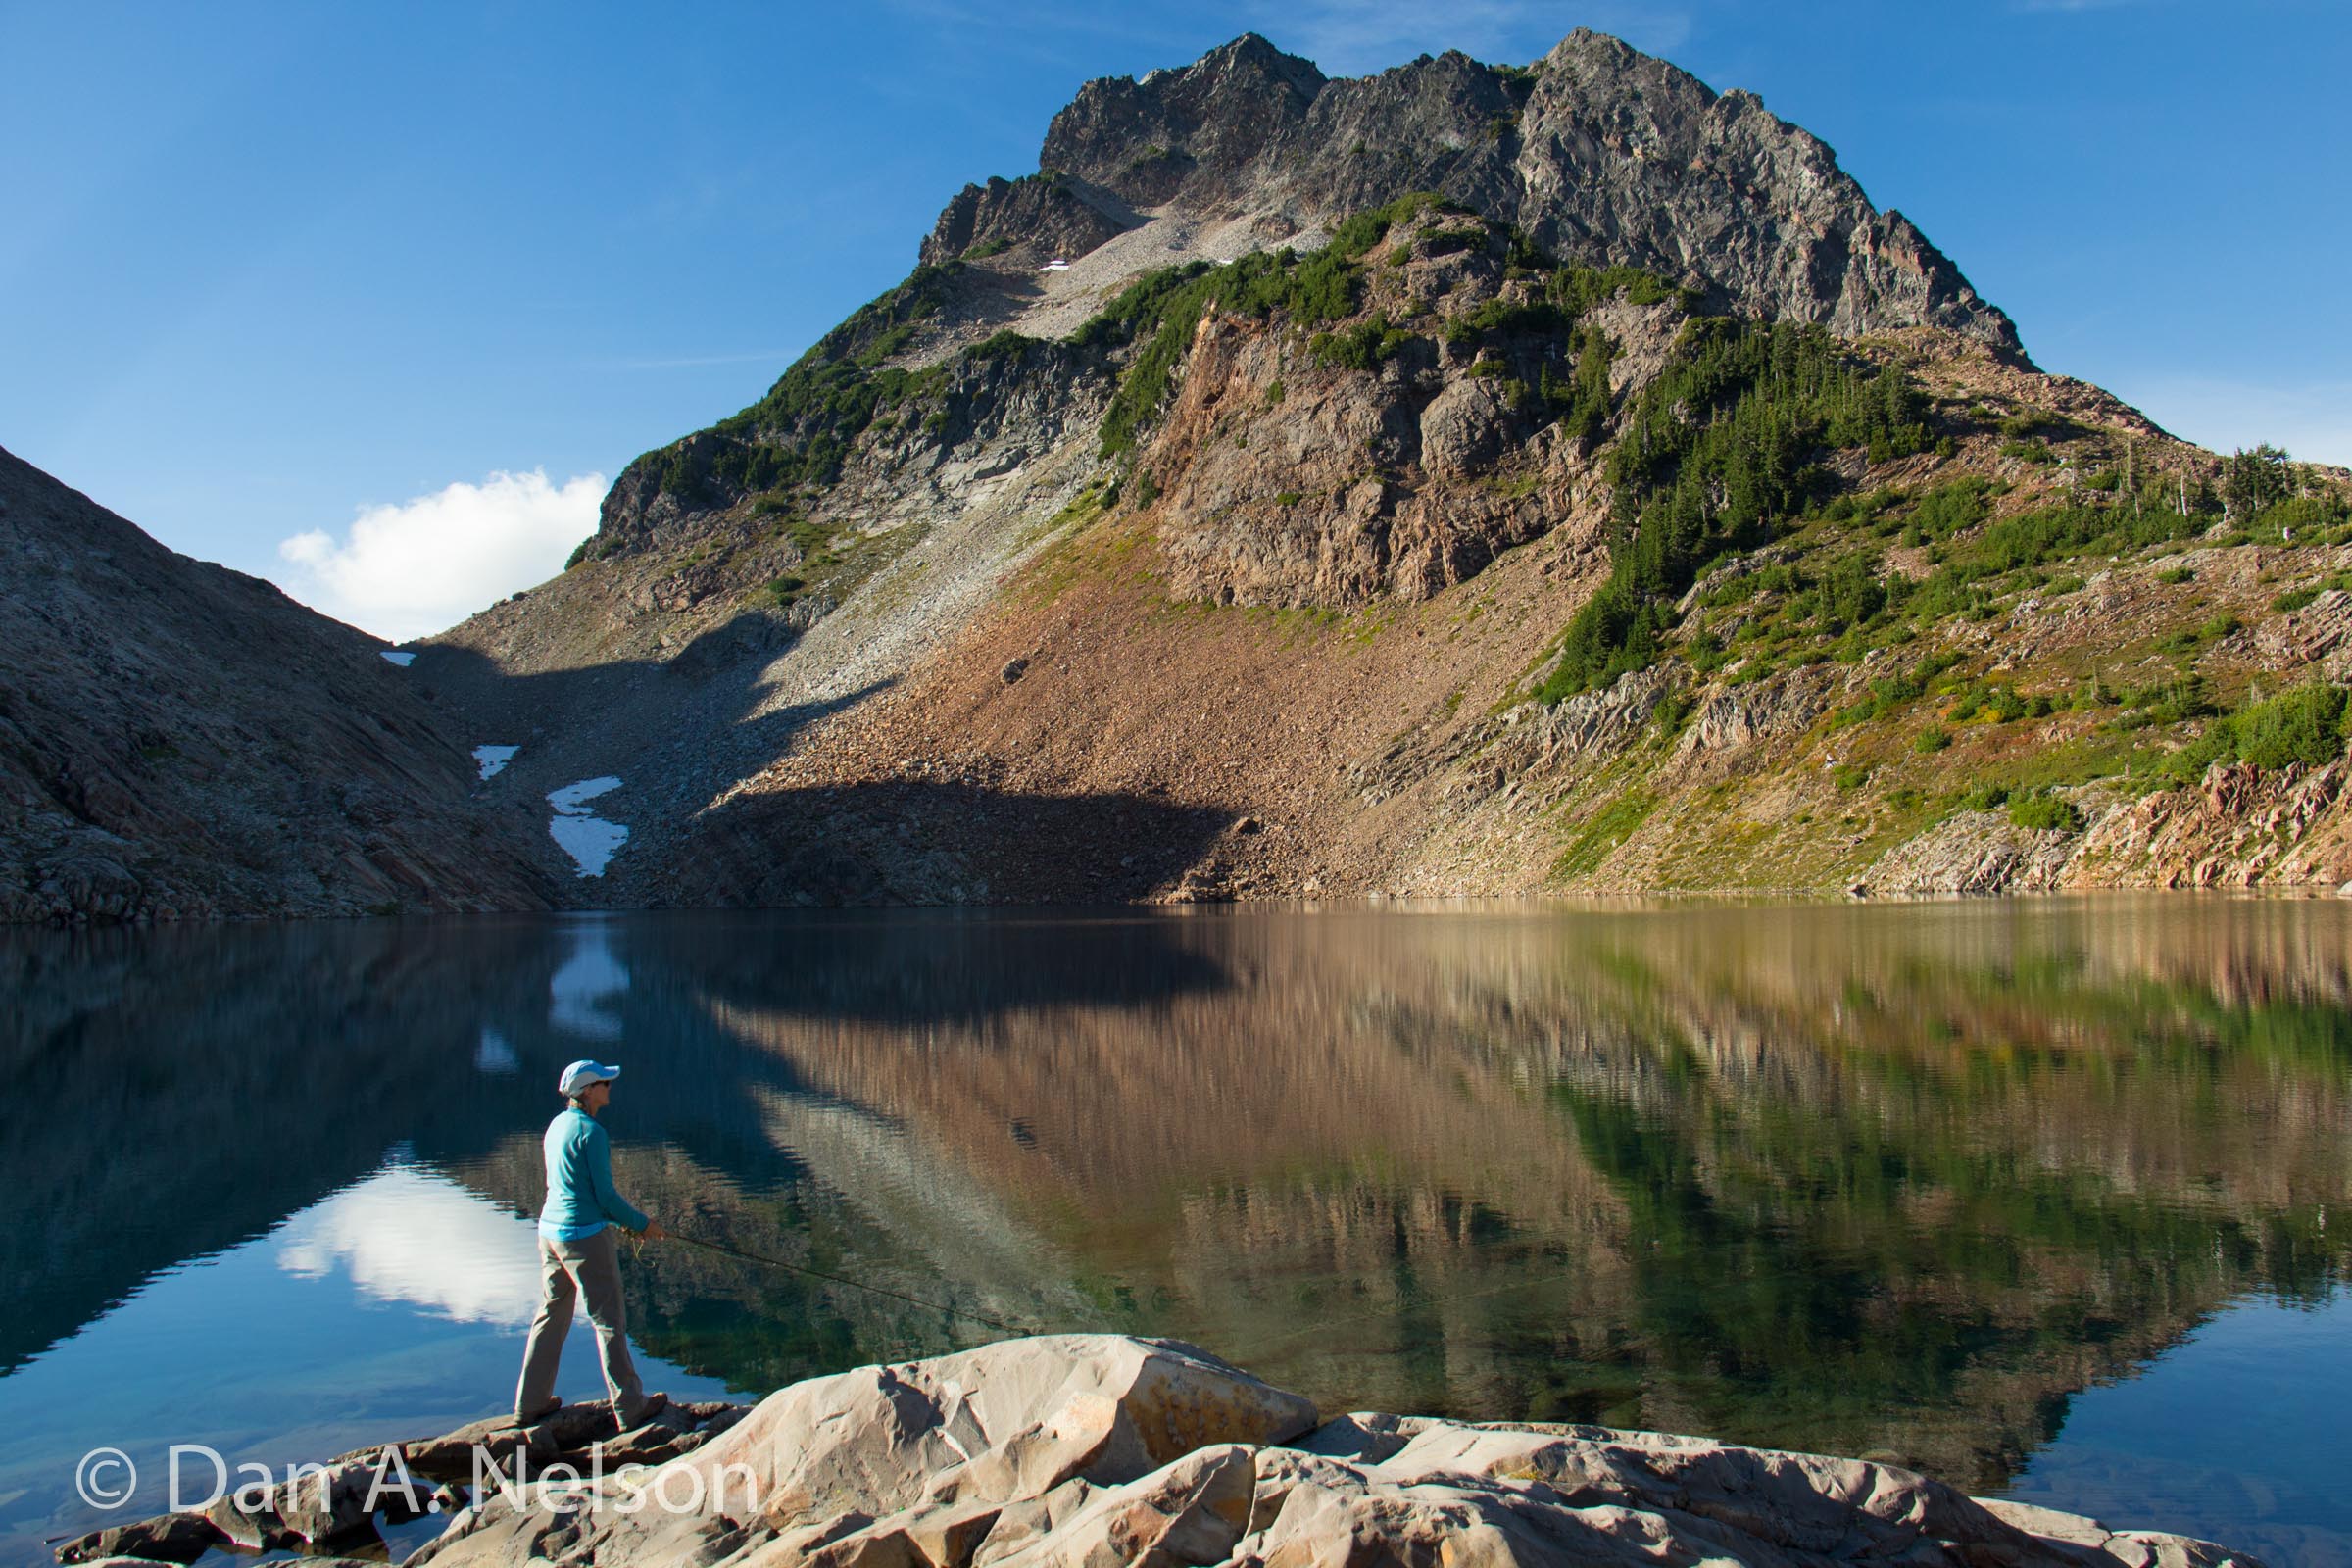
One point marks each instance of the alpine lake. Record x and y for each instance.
(2045, 1197)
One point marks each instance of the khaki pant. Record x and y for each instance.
(589, 1267)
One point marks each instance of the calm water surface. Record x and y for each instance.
(2034, 1197)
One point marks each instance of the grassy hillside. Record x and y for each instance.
(1457, 568)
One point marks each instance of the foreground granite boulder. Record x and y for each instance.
(1104, 1451)
(1087, 1451)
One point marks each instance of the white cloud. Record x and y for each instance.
(2313, 422)
(426, 564)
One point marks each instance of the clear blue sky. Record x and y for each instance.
(265, 265)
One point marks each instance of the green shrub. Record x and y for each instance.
(1672, 711)
(2032, 422)
(2002, 703)
(1506, 319)
(2294, 599)
(2045, 812)
(2188, 639)
(2169, 702)
(1928, 742)
(2307, 726)
(1869, 507)
(1948, 509)
(1985, 797)
(1365, 346)
(1851, 593)
(1586, 397)
(1005, 345)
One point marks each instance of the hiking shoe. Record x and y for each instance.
(543, 1412)
(652, 1405)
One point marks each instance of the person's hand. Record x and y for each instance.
(653, 1231)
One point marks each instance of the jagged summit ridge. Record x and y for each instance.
(1603, 154)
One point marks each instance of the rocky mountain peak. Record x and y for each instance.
(1250, 60)
(1605, 154)
(1218, 114)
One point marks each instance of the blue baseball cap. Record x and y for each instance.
(580, 1074)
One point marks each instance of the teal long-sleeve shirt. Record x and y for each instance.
(580, 1196)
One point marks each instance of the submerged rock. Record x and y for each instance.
(1104, 1451)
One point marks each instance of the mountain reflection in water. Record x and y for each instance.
(1898, 1181)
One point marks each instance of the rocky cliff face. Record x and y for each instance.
(180, 741)
(1602, 154)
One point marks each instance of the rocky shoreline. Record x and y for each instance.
(1104, 1451)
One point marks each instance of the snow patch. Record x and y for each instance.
(399, 656)
(571, 798)
(494, 759)
(587, 838)
(583, 995)
(590, 841)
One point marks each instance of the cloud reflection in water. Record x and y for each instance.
(409, 1236)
